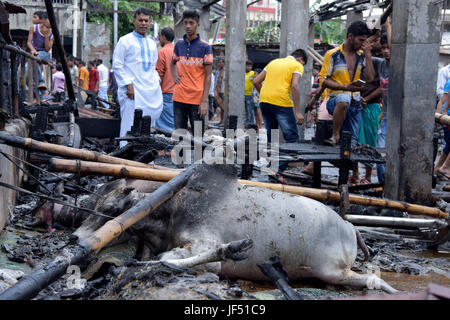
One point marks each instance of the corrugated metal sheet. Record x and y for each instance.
(88, 113)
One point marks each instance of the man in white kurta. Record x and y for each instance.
(134, 62)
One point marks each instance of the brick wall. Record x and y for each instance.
(97, 44)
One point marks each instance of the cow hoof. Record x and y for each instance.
(238, 250)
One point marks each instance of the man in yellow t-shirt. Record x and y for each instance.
(249, 105)
(83, 76)
(281, 79)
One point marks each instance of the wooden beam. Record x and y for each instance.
(209, 4)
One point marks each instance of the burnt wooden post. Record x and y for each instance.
(344, 169)
(14, 84)
(317, 175)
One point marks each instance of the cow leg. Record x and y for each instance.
(353, 279)
(236, 251)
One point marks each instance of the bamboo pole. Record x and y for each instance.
(30, 82)
(315, 55)
(30, 286)
(326, 195)
(55, 149)
(114, 228)
(105, 169)
(317, 194)
(23, 53)
(442, 119)
(315, 58)
(36, 81)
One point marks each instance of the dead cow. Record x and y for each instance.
(213, 209)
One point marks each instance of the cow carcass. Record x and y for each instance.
(213, 209)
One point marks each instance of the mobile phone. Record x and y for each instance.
(360, 82)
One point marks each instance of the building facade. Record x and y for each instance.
(263, 11)
(257, 13)
(93, 41)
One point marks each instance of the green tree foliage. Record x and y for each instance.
(264, 32)
(330, 32)
(125, 21)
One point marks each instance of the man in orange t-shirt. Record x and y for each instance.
(83, 76)
(191, 70)
(165, 54)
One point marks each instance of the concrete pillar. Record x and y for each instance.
(295, 34)
(353, 16)
(412, 101)
(205, 25)
(235, 53)
(203, 30)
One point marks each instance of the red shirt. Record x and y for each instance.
(163, 68)
(94, 79)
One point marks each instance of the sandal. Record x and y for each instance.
(307, 173)
(365, 182)
(330, 142)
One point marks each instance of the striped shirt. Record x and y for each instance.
(335, 68)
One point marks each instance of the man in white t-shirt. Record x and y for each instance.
(73, 72)
(104, 79)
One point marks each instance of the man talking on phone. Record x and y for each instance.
(342, 73)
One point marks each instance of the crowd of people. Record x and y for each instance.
(356, 78)
(179, 86)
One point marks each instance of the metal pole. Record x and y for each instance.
(75, 28)
(395, 222)
(116, 23)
